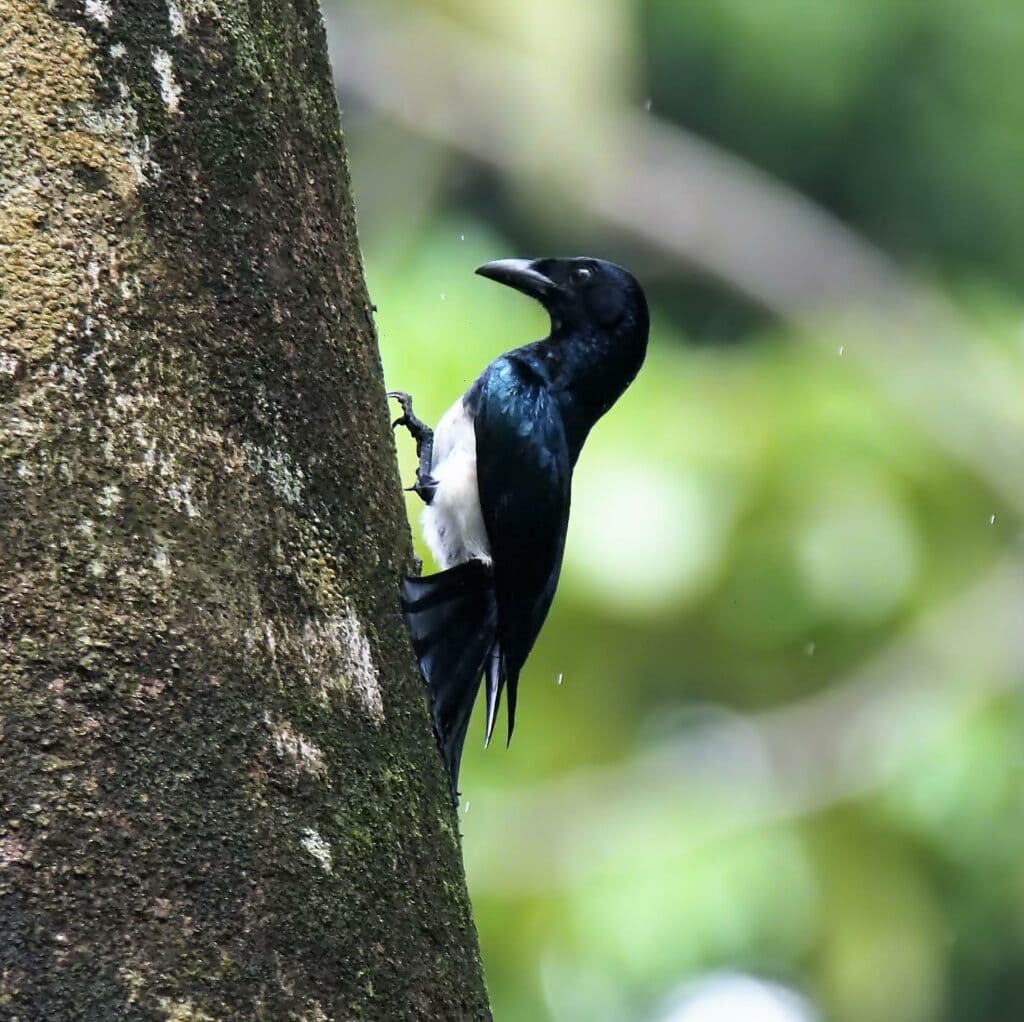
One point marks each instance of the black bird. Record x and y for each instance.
(495, 477)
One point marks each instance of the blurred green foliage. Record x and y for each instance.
(754, 525)
(901, 115)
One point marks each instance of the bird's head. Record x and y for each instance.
(578, 293)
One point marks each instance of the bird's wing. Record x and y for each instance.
(523, 474)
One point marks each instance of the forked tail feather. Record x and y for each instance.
(452, 619)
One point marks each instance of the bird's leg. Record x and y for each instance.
(424, 436)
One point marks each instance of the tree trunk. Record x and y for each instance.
(220, 794)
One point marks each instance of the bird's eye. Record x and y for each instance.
(581, 274)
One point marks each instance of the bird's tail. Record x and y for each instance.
(452, 618)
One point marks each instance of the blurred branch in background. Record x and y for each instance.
(697, 205)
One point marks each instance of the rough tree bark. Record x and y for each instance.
(220, 795)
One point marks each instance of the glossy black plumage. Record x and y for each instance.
(523, 472)
(530, 411)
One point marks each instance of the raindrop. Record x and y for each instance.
(842, 348)
(558, 680)
(648, 103)
(466, 810)
(992, 520)
(462, 237)
(442, 296)
(810, 648)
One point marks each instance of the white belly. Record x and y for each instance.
(452, 524)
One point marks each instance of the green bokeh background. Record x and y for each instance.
(773, 724)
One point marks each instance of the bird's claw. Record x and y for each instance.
(419, 429)
(424, 437)
(408, 417)
(405, 403)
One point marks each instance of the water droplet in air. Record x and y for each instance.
(648, 103)
(462, 237)
(842, 348)
(992, 520)
(466, 810)
(442, 296)
(558, 680)
(810, 648)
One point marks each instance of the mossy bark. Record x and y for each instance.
(220, 794)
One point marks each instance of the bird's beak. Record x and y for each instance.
(520, 274)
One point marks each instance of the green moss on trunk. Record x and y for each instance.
(221, 798)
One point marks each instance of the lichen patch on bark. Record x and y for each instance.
(296, 750)
(314, 845)
(176, 18)
(99, 11)
(170, 91)
(49, 146)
